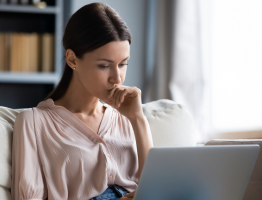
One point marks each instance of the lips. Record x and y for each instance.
(110, 89)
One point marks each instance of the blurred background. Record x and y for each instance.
(203, 54)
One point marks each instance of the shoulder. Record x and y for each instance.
(24, 127)
(26, 117)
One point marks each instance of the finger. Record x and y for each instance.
(115, 99)
(122, 97)
(110, 99)
(118, 95)
(112, 92)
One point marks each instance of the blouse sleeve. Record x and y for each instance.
(148, 130)
(28, 182)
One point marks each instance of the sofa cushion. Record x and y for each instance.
(254, 188)
(5, 194)
(7, 119)
(5, 153)
(171, 123)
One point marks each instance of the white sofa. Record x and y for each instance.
(162, 115)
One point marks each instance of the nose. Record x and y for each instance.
(115, 76)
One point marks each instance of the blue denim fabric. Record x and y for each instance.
(113, 192)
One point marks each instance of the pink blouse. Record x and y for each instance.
(58, 156)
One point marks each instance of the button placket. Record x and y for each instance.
(109, 169)
(112, 172)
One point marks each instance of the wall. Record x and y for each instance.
(133, 12)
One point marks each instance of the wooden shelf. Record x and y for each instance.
(27, 77)
(29, 9)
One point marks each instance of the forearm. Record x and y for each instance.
(143, 140)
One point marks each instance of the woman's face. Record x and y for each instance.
(104, 68)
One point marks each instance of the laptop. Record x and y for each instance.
(219, 172)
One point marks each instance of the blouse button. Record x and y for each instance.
(109, 177)
(108, 155)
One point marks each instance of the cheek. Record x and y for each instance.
(93, 79)
(87, 73)
(84, 76)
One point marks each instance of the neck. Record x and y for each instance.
(78, 100)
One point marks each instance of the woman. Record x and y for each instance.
(71, 146)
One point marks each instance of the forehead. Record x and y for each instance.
(116, 50)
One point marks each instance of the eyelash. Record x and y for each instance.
(104, 67)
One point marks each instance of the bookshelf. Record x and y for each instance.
(31, 19)
(29, 9)
(16, 77)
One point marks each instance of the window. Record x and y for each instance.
(237, 65)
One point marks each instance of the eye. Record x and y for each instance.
(122, 65)
(103, 66)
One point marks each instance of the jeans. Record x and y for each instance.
(113, 192)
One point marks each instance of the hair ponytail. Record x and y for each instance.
(63, 85)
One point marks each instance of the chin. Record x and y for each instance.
(102, 95)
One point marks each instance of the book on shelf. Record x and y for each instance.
(14, 52)
(3, 2)
(34, 52)
(27, 52)
(13, 1)
(25, 59)
(47, 52)
(24, 2)
(37, 3)
(4, 49)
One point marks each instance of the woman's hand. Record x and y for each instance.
(127, 100)
(128, 196)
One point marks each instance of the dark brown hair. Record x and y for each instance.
(89, 28)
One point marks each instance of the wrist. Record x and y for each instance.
(137, 118)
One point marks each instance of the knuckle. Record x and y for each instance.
(135, 88)
(138, 90)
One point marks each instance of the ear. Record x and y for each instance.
(71, 58)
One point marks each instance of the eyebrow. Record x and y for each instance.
(111, 61)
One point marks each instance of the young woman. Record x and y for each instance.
(71, 146)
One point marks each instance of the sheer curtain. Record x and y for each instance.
(178, 57)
